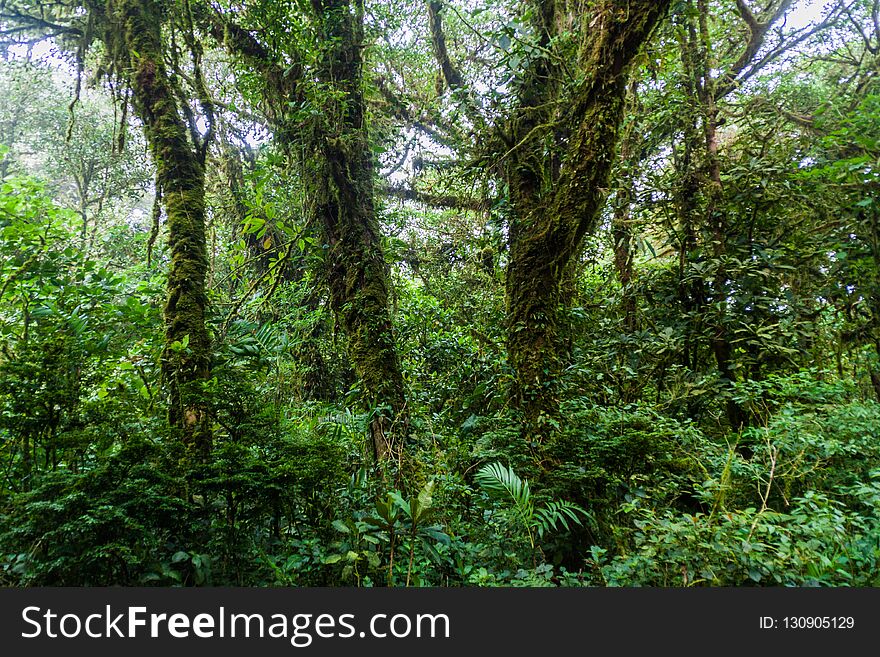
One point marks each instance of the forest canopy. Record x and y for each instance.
(440, 292)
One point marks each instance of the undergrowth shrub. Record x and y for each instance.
(118, 524)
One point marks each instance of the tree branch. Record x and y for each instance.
(25, 22)
(400, 109)
(447, 201)
(759, 27)
(451, 75)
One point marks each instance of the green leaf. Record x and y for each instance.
(422, 504)
(502, 482)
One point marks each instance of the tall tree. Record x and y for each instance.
(132, 34)
(345, 203)
(335, 162)
(556, 199)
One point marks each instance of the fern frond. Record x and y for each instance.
(270, 339)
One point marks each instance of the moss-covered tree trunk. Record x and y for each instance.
(553, 213)
(337, 170)
(134, 37)
(344, 201)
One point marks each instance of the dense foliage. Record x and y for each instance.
(516, 294)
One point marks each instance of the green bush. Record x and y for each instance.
(817, 542)
(119, 524)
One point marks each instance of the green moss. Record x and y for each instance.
(133, 36)
(555, 207)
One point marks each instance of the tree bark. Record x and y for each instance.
(550, 221)
(133, 36)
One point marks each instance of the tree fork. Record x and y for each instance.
(548, 227)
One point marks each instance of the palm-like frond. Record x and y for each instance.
(503, 484)
(554, 514)
(259, 343)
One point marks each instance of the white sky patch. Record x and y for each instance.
(807, 12)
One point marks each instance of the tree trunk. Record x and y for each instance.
(345, 206)
(136, 34)
(549, 222)
(338, 172)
